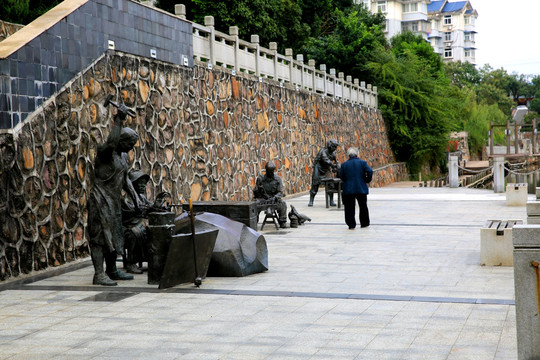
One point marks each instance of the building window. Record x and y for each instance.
(447, 20)
(447, 36)
(414, 26)
(381, 6)
(469, 53)
(448, 53)
(469, 36)
(409, 7)
(436, 24)
(466, 19)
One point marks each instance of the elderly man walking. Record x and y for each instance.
(355, 174)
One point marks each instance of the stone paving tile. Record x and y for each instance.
(408, 287)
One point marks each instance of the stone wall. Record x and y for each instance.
(204, 134)
(40, 58)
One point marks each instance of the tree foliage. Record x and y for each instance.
(25, 11)
(350, 45)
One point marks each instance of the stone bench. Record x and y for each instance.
(516, 194)
(496, 246)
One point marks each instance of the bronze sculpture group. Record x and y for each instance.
(117, 224)
(113, 221)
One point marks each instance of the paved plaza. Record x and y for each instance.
(407, 287)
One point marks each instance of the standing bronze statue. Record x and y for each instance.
(269, 189)
(325, 165)
(106, 234)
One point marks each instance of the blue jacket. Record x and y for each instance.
(352, 175)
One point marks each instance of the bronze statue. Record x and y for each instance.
(106, 234)
(325, 165)
(135, 221)
(269, 190)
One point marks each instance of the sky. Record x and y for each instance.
(508, 35)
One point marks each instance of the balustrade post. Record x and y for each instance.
(180, 11)
(357, 87)
(300, 59)
(507, 132)
(209, 22)
(289, 55)
(255, 41)
(516, 140)
(498, 174)
(349, 80)
(341, 79)
(333, 77)
(363, 87)
(322, 67)
(311, 64)
(368, 95)
(453, 172)
(273, 48)
(375, 98)
(233, 31)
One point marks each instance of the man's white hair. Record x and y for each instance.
(352, 151)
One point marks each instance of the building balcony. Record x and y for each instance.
(434, 34)
(414, 16)
(469, 28)
(469, 44)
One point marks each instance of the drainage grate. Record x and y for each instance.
(109, 296)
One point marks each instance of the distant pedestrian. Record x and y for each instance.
(355, 174)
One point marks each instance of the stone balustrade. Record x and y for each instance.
(215, 48)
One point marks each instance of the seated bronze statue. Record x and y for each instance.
(135, 221)
(269, 191)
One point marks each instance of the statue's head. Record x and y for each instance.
(332, 145)
(270, 168)
(139, 180)
(128, 139)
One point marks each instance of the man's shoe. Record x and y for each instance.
(102, 279)
(133, 269)
(120, 275)
(283, 225)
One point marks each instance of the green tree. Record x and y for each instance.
(25, 11)
(415, 105)
(462, 74)
(356, 33)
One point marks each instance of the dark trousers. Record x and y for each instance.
(349, 204)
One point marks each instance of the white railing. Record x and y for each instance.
(229, 51)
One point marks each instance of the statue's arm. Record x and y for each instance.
(105, 150)
(128, 187)
(279, 193)
(258, 191)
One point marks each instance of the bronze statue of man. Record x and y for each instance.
(270, 187)
(324, 165)
(106, 234)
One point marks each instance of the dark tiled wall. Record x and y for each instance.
(41, 67)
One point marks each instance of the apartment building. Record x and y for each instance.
(449, 26)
